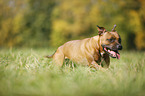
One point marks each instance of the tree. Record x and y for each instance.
(37, 22)
(10, 18)
(77, 19)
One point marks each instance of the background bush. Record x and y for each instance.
(44, 23)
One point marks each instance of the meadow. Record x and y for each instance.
(25, 72)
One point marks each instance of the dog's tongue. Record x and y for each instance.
(117, 56)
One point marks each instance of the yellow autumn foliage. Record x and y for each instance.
(44, 23)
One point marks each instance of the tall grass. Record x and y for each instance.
(27, 72)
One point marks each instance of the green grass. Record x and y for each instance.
(25, 72)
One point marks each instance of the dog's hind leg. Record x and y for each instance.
(58, 58)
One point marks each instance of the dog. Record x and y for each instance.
(90, 51)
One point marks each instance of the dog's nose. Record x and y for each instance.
(119, 47)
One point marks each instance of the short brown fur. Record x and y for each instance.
(88, 51)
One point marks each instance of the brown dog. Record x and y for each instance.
(90, 51)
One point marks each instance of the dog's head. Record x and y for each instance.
(110, 41)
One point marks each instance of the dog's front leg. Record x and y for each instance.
(107, 60)
(95, 65)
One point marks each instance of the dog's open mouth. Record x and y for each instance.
(112, 53)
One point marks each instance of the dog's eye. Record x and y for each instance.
(110, 40)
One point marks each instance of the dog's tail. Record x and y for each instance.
(49, 56)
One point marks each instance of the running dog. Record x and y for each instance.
(90, 51)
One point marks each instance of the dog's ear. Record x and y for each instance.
(101, 30)
(113, 30)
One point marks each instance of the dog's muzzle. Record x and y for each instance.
(113, 52)
(119, 47)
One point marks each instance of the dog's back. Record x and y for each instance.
(79, 50)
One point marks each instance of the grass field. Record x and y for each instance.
(24, 72)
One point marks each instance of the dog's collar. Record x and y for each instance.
(100, 52)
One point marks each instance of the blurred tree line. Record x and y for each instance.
(45, 23)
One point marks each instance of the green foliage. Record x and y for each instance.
(39, 23)
(79, 19)
(27, 24)
(26, 72)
